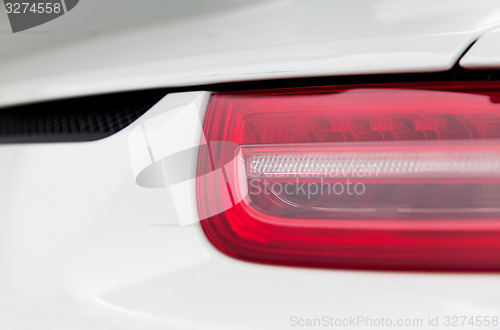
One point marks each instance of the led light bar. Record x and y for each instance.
(469, 159)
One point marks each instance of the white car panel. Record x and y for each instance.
(83, 246)
(485, 53)
(91, 239)
(261, 40)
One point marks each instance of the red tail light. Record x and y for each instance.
(402, 176)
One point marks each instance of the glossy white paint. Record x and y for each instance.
(85, 243)
(485, 54)
(83, 246)
(164, 150)
(232, 41)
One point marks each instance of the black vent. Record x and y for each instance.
(82, 119)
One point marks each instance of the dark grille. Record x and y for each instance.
(82, 119)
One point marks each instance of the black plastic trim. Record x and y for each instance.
(96, 117)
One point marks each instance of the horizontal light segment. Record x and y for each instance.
(464, 159)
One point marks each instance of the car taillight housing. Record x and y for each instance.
(390, 176)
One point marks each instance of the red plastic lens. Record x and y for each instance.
(401, 176)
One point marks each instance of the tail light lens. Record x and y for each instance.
(390, 176)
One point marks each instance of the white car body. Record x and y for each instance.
(85, 244)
